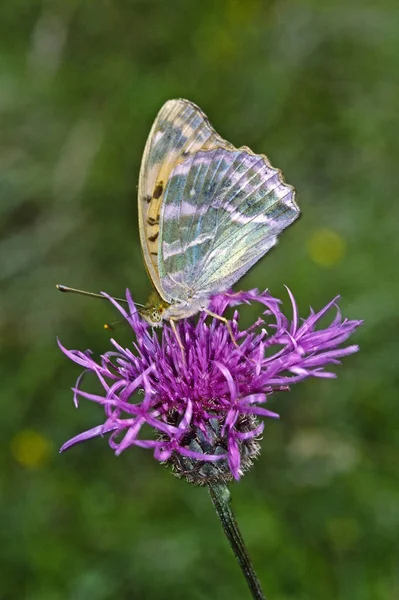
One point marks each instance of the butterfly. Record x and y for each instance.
(207, 211)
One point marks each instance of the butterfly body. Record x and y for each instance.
(157, 310)
(207, 211)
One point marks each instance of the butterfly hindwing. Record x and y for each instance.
(179, 131)
(222, 210)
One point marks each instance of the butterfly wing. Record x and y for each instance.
(222, 210)
(179, 130)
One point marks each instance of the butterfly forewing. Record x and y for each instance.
(180, 130)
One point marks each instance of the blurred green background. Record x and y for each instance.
(313, 84)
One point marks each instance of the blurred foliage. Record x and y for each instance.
(314, 85)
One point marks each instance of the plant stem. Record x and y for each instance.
(221, 500)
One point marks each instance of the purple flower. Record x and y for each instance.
(203, 395)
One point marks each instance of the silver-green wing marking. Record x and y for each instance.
(222, 210)
(179, 131)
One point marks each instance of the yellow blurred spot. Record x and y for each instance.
(343, 532)
(30, 449)
(326, 247)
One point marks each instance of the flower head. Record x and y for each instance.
(204, 392)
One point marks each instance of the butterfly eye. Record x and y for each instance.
(156, 316)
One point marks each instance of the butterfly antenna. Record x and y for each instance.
(111, 326)
(65, 288)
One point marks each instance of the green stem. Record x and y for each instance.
(221, 500)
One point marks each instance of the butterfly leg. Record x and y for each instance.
(226, 322)
(174, 328)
